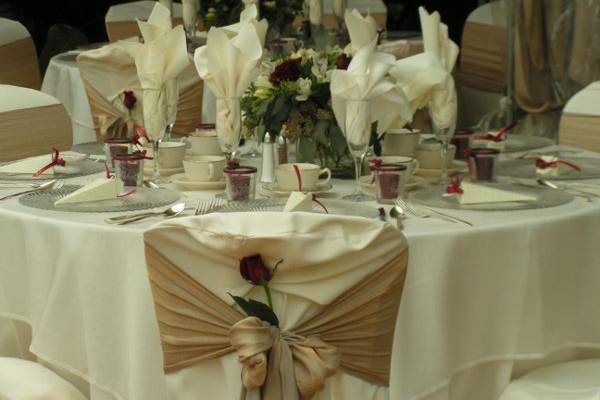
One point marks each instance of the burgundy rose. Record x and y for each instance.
(343, 61)
(129, 99)
(287, 71)
(254, 270)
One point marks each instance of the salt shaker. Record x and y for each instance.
(282, 151)
(268, 159)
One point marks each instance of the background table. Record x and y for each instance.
(63, 81)
(518, 289)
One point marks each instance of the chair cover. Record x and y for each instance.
(120, 20)
(482, 71)
(31, 123)
(336, 294)
(19, 65)
(108, 71)
(574, 380)
(26, 380)
(580, 121)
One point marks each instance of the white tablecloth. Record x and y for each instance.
(517, 286)
(63, 81)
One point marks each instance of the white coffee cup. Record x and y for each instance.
(170, 154)
(204, 168)
(203, 142)
(400, 142)
(429, 155)
(411, 163)
(309, 173)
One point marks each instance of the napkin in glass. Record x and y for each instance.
(362, 30)
(228, 65)
(367, 79)
(249, 14)
(426, 78)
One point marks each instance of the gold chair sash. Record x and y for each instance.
(20, 64)
(354, 332)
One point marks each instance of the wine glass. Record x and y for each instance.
(228, 125)
(443, 135)
(190, 19)
(172, 92)
(358, 134)
(154, 105)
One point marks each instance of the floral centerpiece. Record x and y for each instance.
(291, 96)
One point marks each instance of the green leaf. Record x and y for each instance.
(254, 308)
(338, 141)
(307, 149)
(321, 133)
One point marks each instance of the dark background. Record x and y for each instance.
(87, 16)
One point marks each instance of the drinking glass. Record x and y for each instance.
(389, 181)
(172, 92)
(241, 182)
(358, 134)
(443, 135)
(129, 169)
(228, 125)
(157, 103)
(482, 164)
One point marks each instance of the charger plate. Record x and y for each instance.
(336, 207)
(525, 169)
(431, 196)
(142, 199)
(83, 168)
(516, 143)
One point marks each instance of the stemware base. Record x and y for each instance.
(359, 197)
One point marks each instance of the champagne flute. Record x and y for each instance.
(358, 134)
(228, 125)
(172, 93)
(443, 135)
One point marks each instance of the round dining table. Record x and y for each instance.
(482, 304)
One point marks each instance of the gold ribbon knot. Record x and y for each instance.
(295, 368)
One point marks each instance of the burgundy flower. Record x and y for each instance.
(129, 99)
(254, 270)
(343, 61)
(287, 71)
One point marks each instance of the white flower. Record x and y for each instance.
(304, 89)
(263, 82)
(319, 69)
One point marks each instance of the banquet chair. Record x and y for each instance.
(574, 380)
(336, 293)
(19, 65)
(121, 19)
(27, 380)
(31, 123)
(108, 71)
(482, 70)
(580, 121)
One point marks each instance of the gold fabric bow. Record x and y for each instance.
(297, 366)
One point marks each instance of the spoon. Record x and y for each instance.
(398, 214)
(172, 211)
(50, 185)
(151, 184)
(578, 192)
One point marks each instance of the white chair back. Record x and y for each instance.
(19, 64)
(121, 19)
(31, 123)
(324, 259)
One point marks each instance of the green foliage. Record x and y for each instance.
(254, 308)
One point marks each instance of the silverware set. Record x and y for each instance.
(405, 208)
(202, 208)
(54, 184)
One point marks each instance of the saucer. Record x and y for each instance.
(365, 182)
(453, 169)
(164, 171)
(272, 190)
(181, 180)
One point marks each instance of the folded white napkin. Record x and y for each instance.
(426, 78)
(157, 27)
(366, 79)
(362, 30)
(159, 60)
(479, 194)
(228, 65)
(33, 164)
(249, 14)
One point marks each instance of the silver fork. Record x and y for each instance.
(204, 207)
(429, 213)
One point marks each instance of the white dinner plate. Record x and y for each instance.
(184, 182)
